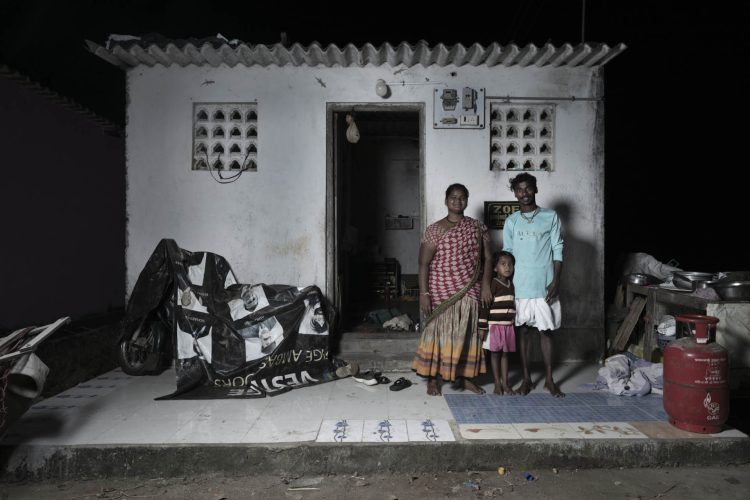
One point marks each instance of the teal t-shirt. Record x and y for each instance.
(535, 243)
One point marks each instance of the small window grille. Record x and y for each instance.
(225, 136)
(528, 131)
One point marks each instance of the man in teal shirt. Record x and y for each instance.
(532, 235)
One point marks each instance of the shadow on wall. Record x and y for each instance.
(582, 285)
(581, 295)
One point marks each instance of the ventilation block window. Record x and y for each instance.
(521, 136)
(225, 136)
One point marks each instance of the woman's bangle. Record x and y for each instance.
(425, 293)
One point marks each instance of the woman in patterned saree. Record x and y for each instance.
(452, 281)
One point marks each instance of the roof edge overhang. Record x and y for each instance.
(213, 52)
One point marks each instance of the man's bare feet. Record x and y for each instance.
(433, 389)
(498, 390)
(551, 386)
(507, 389)
(525, 388)
(468, 384)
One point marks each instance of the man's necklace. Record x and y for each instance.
(529, 220)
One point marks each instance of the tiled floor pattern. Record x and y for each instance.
(580, 415)
(384, 431)
(118, 409)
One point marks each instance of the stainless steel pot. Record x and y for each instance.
(732, 290)
(686, 279)
(642, 279)
(698, 285)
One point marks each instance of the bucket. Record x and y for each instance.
(702, 327)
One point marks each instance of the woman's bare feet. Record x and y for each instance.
(498, 390)
(507, 389)
(551, 386)
(468, 384)
(433, 389)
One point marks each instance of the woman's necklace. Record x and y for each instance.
(453, 222)
(529, 220)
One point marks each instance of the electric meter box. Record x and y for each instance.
(459, 107)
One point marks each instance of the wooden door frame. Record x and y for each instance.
(331, 285)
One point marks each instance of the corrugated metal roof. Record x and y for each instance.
(129, 52)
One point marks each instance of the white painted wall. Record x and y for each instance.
(270, 225)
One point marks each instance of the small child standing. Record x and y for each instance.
(496, 322)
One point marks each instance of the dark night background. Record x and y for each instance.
(676, 104)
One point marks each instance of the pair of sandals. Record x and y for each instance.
(371, 378)
(374, 378)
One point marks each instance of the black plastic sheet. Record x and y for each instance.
(230, 339)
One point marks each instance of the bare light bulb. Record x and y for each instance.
(381, 88)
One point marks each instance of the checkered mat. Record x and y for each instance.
(543, 408)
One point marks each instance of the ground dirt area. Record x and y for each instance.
(677, 483)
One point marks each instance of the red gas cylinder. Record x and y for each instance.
(696, 394)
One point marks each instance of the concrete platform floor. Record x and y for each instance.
(111, 426)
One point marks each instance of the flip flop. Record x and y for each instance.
(367, 378)
(400, 384)
(382, 379)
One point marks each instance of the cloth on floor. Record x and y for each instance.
(380, 316)
(400, 323)
(623, 377)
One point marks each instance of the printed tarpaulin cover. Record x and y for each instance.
(238, 339)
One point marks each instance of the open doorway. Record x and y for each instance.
(375, 215)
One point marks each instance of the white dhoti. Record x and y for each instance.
(538, 313)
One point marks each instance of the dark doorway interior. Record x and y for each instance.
(378, 219)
